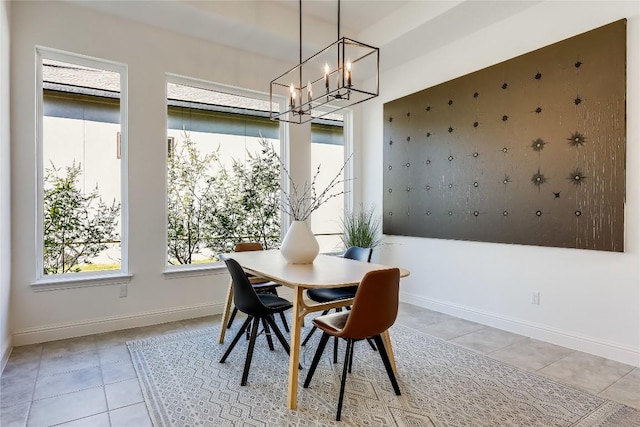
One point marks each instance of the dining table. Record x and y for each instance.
(326, 271)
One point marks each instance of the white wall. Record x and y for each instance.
(589, 300)
(5, 194)
(149, 53)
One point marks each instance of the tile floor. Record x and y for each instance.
(90, 381)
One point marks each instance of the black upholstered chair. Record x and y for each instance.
(259, 308)
(335, 294)
(260, 285)
(374, 310)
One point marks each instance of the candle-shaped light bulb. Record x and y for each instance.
(348, 73)
(326, 76)
(309, 93)
(292, 96)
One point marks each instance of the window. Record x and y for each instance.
(221, 186)
(81, 183)
(328, 153)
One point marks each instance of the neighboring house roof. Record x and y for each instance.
(78, 79)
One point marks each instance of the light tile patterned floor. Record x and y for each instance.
(90, 381)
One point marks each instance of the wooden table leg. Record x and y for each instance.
(294, 357)
(225, 313)
(387, 345)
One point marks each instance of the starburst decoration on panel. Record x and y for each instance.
(577, 177)
(577, 139)
(538, 144)
(538, 179)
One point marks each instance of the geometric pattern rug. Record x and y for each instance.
(442, 384)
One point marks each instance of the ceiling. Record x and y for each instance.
(355, 15)
(400, 28)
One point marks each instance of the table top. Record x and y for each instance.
(326, 271)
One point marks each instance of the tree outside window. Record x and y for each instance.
(81, 178)
(213, 205)
(77, 226)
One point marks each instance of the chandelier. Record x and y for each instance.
(342, 74)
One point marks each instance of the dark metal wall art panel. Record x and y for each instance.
(529, 151)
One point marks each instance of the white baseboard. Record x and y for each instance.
(598, 347)
(115, 323)
(6, 352)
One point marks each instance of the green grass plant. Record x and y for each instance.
(361, 228)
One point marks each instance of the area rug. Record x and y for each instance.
(442, 384)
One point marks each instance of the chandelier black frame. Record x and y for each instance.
(313, 83)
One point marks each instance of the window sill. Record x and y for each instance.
(54, 284)
(179, 272)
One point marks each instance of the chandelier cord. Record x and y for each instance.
(300, 36)
(338, 90)
(338, 20)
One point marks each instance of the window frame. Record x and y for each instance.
(347, 157)
(189, 270)
(92, 278)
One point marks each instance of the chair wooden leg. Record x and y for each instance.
(252, 342)
(267, 333)
(387, 364)
(316, 358)
(233, 316)
(244, 326)
(345, 368)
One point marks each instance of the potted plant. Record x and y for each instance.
(361, 228)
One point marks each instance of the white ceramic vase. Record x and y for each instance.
(299, 245)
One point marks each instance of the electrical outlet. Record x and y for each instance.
(123, 291)
(535, 298)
